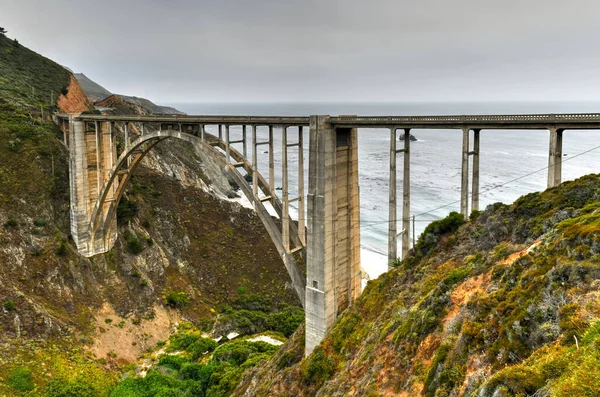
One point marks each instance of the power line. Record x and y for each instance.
(458, 201)
(511, 181)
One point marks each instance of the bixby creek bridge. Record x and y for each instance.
(327, 241)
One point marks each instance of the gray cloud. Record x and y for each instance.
(293, 50)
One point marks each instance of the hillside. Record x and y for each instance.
(505, 304)
(183, 257)
(93, 90)
(97, 93)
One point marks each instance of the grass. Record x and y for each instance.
(29, 80)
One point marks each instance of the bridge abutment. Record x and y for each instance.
(333, 257)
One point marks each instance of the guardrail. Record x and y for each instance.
(360, 121)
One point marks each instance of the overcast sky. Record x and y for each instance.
(321, 50)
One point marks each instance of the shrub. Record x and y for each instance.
(432, 233)
(177, 299)
(286, 321)
(21, 379)
(182, 341)
(65, 388)
(201, 346)
(126, 210)
(61, 250)
(40, 222)
(171, 361)
(9, 305)
(318, 368)
(134, 245)
(10, 224)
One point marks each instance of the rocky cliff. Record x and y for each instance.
(506, 303)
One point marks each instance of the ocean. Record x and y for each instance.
(512, 162)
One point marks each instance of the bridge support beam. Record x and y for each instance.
(333, 263)
(475, 180)
(393, 233)
(406, 196)
(92, 156)
(464, 185)
(555, 157)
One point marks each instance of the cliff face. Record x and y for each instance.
(182, 253)
(75, 100)
(505, 304)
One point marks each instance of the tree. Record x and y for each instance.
(2, 30)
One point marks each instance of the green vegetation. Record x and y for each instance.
(21, 379)
(10, 224)
(9, 305)
(200, 368)
(126, 210)
(254, 313)
(503, 305)
(27, 79)
(133, 243)
(177, 299)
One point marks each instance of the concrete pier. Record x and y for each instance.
(333, 246)
(406, 196)
(555, 157)
(475, 178)
(464, 184)
(393, 207)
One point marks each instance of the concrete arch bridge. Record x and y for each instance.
(327, 240)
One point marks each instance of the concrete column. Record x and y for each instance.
(126, 131)
(558, 159)
(555, 157)
(202, 132)
(245, 150)
(464, 186)
(285, 217)
(406, 196)
(227, 152)
(301, 212)
(271, 161)
(392, 218)
(97, 159)
(475, 181)
(78, 184)
(254, 165)
(220, 132)
(333, 246)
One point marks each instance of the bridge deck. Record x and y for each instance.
(523, 121)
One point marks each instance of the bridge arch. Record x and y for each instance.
(101, 230)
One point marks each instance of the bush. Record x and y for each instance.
(171, 361)
(430, 237)
(65, 388)
(40, 222)
(10, 224)
(182, 341)
(126, 210)
(61, 250)
(9, 305)
(201, 346)
(21, 379)
(286, 321)
(134, 245)
(318, 368)
(177, 299)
